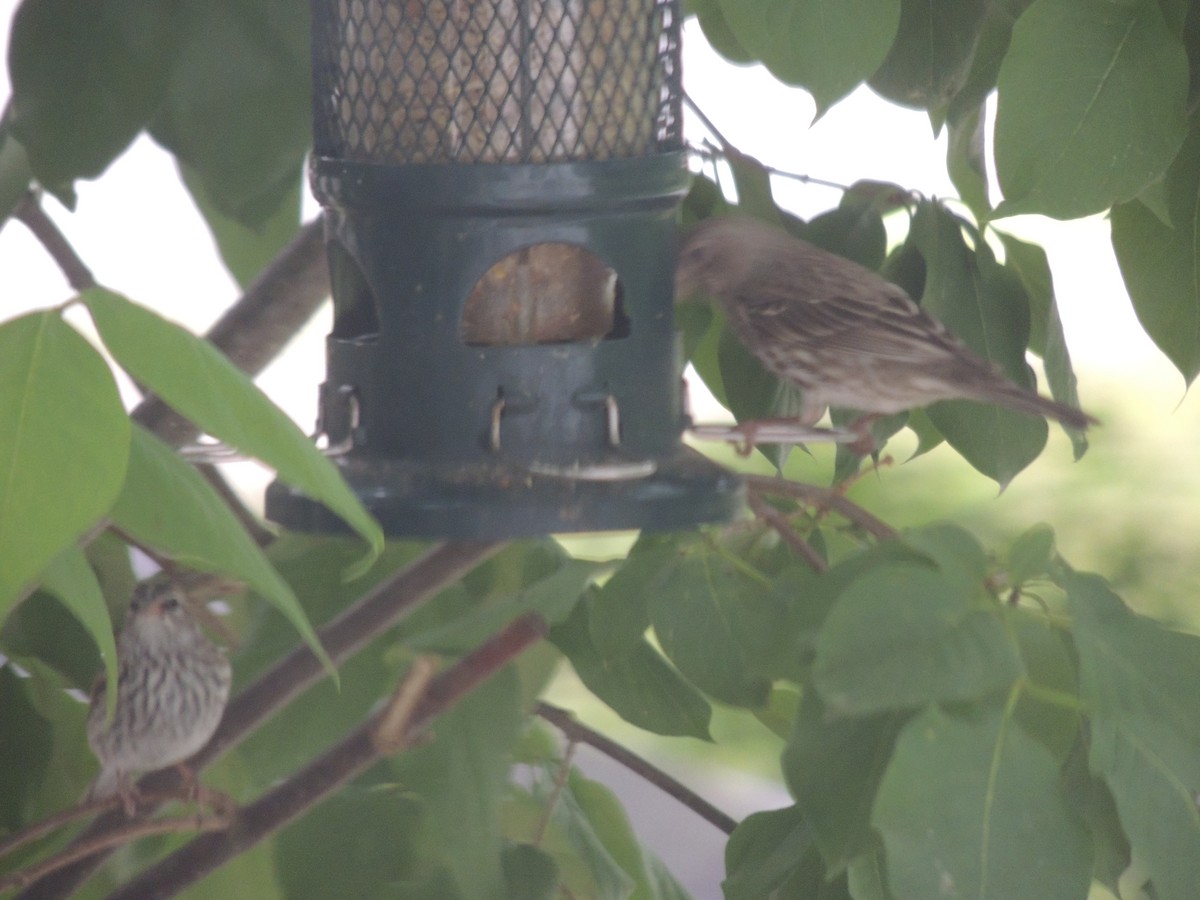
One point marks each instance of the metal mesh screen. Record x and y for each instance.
(495, 81)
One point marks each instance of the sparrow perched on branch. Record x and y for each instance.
(838, 331)
(172, 686)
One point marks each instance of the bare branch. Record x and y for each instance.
(580, 733)
(31, 214)
(321, 777)
(823, 498)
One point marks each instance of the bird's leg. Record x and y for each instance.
(128, 794)
(865, 445)
(203, 797)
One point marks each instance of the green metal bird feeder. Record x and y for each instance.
(500, 183)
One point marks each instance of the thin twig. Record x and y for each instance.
(576, 731)
(321, 777)
(130, 832)
(707, 123)
(560, 782)
(826, 498)
(342, 637)
(777, 520)
(29, 211)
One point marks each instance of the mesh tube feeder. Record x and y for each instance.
(500, 182)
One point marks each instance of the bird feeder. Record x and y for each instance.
(500, 183)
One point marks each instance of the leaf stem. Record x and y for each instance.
(29, 211)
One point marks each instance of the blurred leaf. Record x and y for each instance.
(619, 612)
(1137, 679)
(1030, 554)
(236, 110)
(985, 306)
(194, 377)
(350, 845)
(779, 715)
(854, 230)
(971, 806)
(955, 550)
(995, 34)
(966, 161)
(64, 439)
(24, 750)
(764, 853)
(245, 250)
(86, 78)
(1092, 798)
(1158, 261)
(1050, 663)
(635, 681)
(833, 768)
(717, 625)
(717, 32)
(753, 182)
(461, 775)
(1115, 119)
(1046, 337)
(611, 826)
(931, 55)
(15, 173)
(901, 636)
(828, 48)
(529, 873)
(167, 505)
(43, 628)
(72, 581)
(866, 878)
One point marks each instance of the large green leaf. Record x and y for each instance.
(717, 624)
(931, 56)
(165, 504)
(72, 581)
(985, 306)
(64, 441)
(635, 680)
(1092, 106)
(195, 379)
(610, 824)
(833, 768)
(768, 852)
(236, 109)
(828, 47)
(86, 78)
(716, 30)
(1158, 261)
(24, 753)
(1137, 679)
(1046, 337)
(971, 806)
(902, 636)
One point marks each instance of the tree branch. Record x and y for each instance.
(580, 733)
(325, 774)
(29, 211)
(342, 637)
(821, 497)
(777, 520)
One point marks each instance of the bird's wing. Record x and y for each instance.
(877, 319)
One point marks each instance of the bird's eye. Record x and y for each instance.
(171, 603)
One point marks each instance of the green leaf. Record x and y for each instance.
(15, 173)
(245, 250)
(86, 78)
(167, 505)
(635, 681)
(195, 379)
(610, 824)
(1031, 554)
(995, 34)
(955, 550)
(553, 597)
(717, 625)
(902, 636)
(1137, 678)
(828, 47)
(971, 806)
(764, 853)
(350, 846)
(619, 613)
(1046, 337)
(24, 752)
(529, 873)
(986, 307)
(854, 230)
(1092, 106)
(72, 581)
(64, 439)
(833, 768)
(930, 58)
(716, 30)
(966, 161)
(1158, 261)
(461, 776)
(236, 110)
